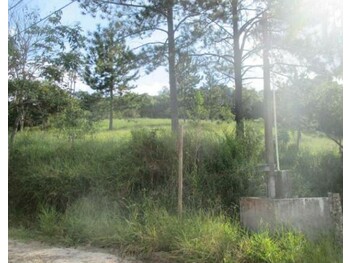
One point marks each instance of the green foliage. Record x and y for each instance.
(316, 175)
(146, 227)
(21, 233)
(294, 104)
(49, 220)
(188, 78)
(199, 110)
(316, 168)
(73, 123)
(113, 192)
(155, 106)
(208, 238)
(38, 101)
(329, 111)
(264, 247)
(252, 104)
(218, 99)
(44, 178)
(94, 103)
(323, 250)
(221, 169)
(309, 105)
(51, 170)
(109, 65)
(152, 153)
(109, 62)
(55, 191)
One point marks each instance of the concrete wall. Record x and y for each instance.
(309, 215)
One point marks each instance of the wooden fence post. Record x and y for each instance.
(180, 169)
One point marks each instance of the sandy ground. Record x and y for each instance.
(36, 252)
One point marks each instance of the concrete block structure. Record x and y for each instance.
(309, 215)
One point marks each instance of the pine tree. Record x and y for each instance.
(110, 65)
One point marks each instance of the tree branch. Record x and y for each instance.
(247, 33)
(252, 78)
(225, 57)
(252, 51)
(336, 141)
(221, 27)
(183, 20)
(131, 5)
(249, 67)
(150, 43)
(249, 22)
(144, 30)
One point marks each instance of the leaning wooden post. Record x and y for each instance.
(180, 169)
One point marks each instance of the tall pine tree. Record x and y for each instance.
(110, 65)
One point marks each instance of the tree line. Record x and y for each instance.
(211, 49)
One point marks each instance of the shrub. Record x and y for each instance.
(73, 123)
(207, 237)
(219, 170)
(152, 158)
(49, 220)
(316, 175)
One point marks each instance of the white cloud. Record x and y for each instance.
(83, 87)
(152, 83)
(149, 88)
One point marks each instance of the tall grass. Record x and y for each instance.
(118, 189)
(218, 169)
(201, 236)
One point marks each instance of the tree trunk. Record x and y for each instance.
(238, 72)
(172, 76)
(111, 108)
(22, 119)
(269, 154)
(18, 101)
(14, 131)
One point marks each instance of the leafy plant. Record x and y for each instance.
(74, 123)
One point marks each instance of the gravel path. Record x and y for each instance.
(35, 252)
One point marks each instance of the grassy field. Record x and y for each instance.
(315, 143)
(117, 189)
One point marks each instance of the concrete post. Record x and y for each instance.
(271, 186)
(283, 184)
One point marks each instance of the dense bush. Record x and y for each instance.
(220, 169)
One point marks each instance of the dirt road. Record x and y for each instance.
(35, 252)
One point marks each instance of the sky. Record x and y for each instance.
(151, 84)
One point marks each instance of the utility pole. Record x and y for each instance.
(268, 120)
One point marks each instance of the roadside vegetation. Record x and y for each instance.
(120, 191)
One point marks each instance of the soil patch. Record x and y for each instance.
(36, 252)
